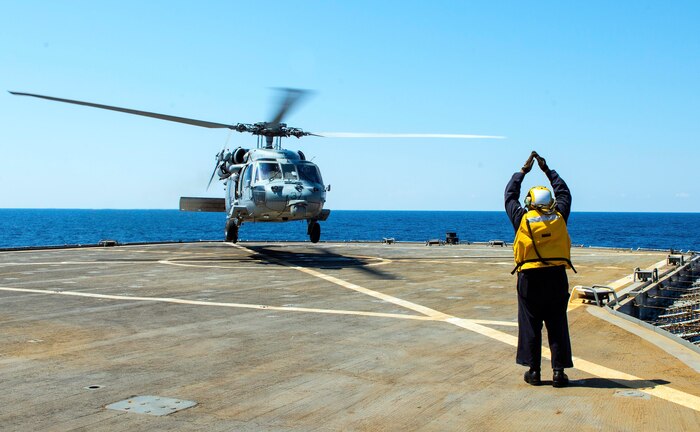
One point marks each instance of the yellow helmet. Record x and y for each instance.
(541, 198)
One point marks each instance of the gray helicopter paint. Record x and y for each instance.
(252, 198)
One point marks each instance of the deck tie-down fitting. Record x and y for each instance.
(675, 259)
(645, 275)
(597, 293)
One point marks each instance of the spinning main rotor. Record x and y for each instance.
(272, 129)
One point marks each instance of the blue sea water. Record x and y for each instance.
(53, 227)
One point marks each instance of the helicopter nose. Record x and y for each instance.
(314, 194)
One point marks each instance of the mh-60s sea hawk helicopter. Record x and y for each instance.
(267, 183)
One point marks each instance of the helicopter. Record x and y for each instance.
(267, 183)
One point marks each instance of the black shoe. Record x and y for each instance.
(560, 379)
(532, 377)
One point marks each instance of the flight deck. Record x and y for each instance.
(283, 336)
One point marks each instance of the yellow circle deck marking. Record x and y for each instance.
(185, 264)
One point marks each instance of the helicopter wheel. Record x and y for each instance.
(314, 232)
(231, 231)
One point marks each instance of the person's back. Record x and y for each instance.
(541, 252)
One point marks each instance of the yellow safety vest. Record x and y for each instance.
(542, 240)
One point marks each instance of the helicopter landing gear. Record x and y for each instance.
(231, 231)
(314, 231)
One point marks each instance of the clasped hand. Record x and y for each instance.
(531, 161)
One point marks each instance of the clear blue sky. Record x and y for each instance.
(608, 92)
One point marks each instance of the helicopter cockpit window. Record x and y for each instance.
(245, 182)
(290, 172)
(309, 173)
(269, 171)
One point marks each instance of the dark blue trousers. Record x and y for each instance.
(543, 294)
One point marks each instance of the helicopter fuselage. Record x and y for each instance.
(275, 185)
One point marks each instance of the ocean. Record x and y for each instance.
(57, 227)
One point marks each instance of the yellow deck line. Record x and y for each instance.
(624, 379)
(243, 305)
(220, 304)
(663, 392)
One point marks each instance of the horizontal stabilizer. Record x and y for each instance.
(202, 204)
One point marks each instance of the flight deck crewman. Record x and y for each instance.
(542, 255)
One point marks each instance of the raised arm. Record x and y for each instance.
(514, 210)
